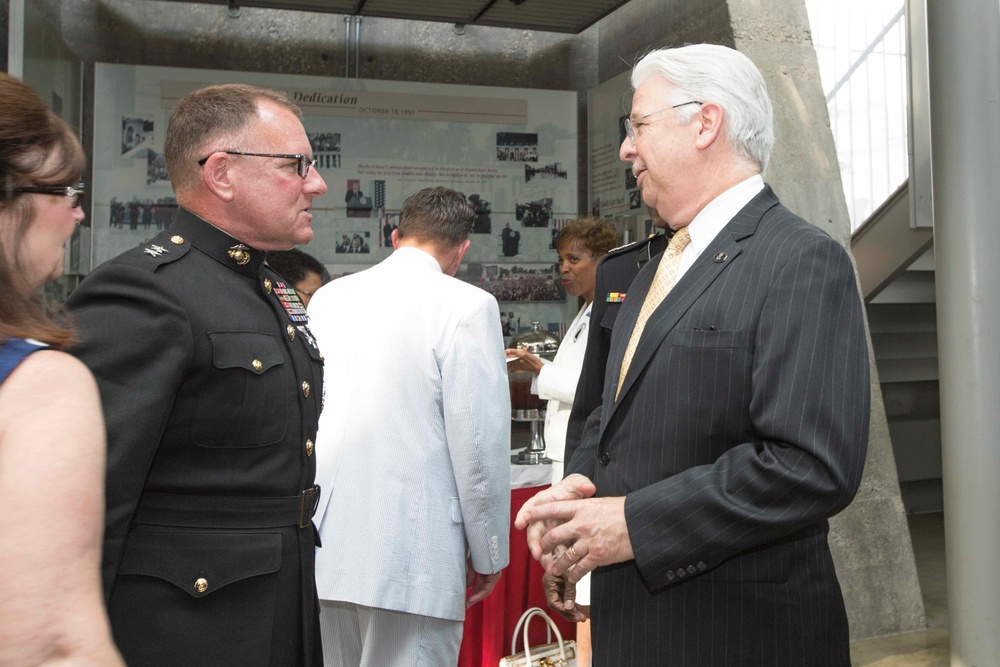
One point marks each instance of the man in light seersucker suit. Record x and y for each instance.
(734, 416)
(413, 446)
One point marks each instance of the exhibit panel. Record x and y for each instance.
(512, 152)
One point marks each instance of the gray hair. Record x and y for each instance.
(438, 216)
(713, 73)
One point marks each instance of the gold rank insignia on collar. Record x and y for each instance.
(240, 254)
(615, 297)
(155, 250)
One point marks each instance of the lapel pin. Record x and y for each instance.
(720, 257)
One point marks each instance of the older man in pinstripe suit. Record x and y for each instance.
(735, 408)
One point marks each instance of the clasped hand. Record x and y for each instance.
(571, 533)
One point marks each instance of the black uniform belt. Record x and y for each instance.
(172, 509)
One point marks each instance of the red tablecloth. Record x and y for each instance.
(490, 624)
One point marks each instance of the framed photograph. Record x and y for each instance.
(516, 282)
(517, 147)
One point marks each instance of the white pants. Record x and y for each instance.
(582, 586)
(359, 636)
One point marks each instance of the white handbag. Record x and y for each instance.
(551, 654)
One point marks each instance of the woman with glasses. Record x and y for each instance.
(51, 428)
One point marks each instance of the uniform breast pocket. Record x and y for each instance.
(244, 399)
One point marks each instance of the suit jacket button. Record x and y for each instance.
(702, 566)
(605, 458)
(692, 569)
(681, 572)
(670, 575)
(201, 585)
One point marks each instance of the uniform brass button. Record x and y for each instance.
(305, 389)
(309, 447)
(321, 357)
(291, 332)
(201, 585)
(267, 285)
(177, 240)
(257, 366)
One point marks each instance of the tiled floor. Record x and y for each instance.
(928, 648)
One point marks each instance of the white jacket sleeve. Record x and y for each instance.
(477, 426)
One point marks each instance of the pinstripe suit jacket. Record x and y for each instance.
(741, 427)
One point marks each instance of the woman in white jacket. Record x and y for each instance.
(581, 245)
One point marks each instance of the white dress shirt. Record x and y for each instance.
(716, 215)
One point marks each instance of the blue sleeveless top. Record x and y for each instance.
(12, 352)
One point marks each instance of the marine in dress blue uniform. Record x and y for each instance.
(212, 387)
(615, 274)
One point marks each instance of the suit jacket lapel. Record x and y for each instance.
(692, 284)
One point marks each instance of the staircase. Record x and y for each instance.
(896, 272)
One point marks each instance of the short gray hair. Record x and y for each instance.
(713, 73)
(438, 216)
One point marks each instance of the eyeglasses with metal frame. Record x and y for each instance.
(305, 162)
(76, 192)
(632, 125)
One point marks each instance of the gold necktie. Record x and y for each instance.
(663, 282)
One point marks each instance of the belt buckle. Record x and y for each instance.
(307, 507)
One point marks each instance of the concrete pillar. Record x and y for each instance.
(15, 38)
(964, 54)
(870, 540)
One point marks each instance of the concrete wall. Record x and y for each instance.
(870, 540)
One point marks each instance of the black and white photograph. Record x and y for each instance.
(326, 149)
(135, 132)
(630, 181)
(516, 282)
(510, 241)
(535, 213)
(548, 172)
(634, 199)
(354, 242)
(517, 147)
(156, 167)
(137, 214)
(483, 223)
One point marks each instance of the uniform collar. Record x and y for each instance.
(217, 244)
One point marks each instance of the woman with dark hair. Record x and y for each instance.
(581, 244)
(51, 428)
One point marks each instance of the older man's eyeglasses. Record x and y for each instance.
(632, 125)
(305, 162)
(76, 192)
